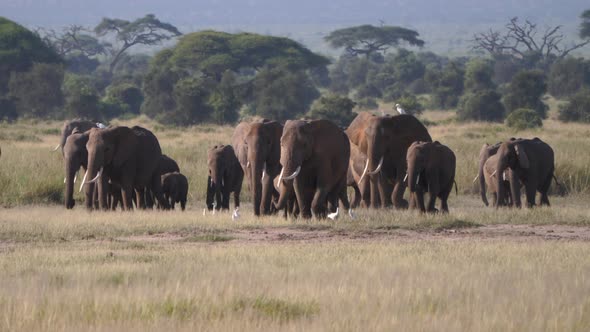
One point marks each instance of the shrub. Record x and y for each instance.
(127, 95)
(335, 108)
(524, 118)
(526, 89)
(577, 109)
(482, 105)
(410, 104)
(367, 103)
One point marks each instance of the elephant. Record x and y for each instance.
(165, 165)
(258, 150)
(70, 126)
(385, 141)
(431, 168)
(76, 156)
(532, 163)
(225, 176)
(175, 189)
(487, 172)
(128, 157)
(355, 169)
(315, 157)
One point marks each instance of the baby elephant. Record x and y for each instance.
(225, 176)
(175, 189)
(431, 168)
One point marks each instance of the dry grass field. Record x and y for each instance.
(475, 269)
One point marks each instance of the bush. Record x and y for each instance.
(127, 95)
(410, 104)
(367, 103)
(567, 76)
(335, 108)
(37, 92)
(525, 91)
(482, 105)
(524, 118)
(577, 109)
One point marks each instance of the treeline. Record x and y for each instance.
(217, 77)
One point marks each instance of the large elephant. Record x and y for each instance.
(487, 173)
(225, 176)
(71, 125)
(385, 141)
(76, 156)
(165, 165)
(175, 189)
(128, 157)
(431, 168)
(314, 156)
(257, 147)
(532, 163)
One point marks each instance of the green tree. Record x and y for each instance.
(525, 91)
(224, 101)
(147, 30)
(446, 85)
(335, 108)
(367, 39)
(585, 25)
(82, 99)
(524, 118)
(19, 49)
(568, 76)
(127, 96)
(478, 75)
(481, 105)
(37, 92)
(577, 109)
(411, 104)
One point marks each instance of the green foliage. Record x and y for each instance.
(224, 101)
(82, 99)
(567, 76)
(524, 118)
(7, 110)
(335, 108)
(577, 109)
(128, 96)
(282, 94)
(482, 105)
(367, 39)
(410, 104)
(585, 25)
(526, 89)
(367, 103)
(19, 49)
(446, 85)
(37, 92)
(478, 75)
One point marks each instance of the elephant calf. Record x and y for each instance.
(490, 173)
(225, 176)
(431, 168)
(175, 189)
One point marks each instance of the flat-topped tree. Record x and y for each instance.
(147, 30)
(367, 39)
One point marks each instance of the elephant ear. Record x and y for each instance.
(523, 159)
(125, 143)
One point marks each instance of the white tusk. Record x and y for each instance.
(264, 171)
(75, 177)
(405, 177)
(476, 177)
(378, 167)
(280, 178)
(236, 214)
(64, 180)
(96, 177)
(418, 178)
(214, 205)
(57, 147)
(364, 171)
(292, 176)
(248, 164)
(205, 211)
(83, 180)
(493, 173)
(333, 215)
(504, 176)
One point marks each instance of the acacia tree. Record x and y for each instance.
(367, 39)
(585, 25)
(524, 40)
(147, 30)
(73, 39)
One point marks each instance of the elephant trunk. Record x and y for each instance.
(210, 192)
(501, 166)
(285, 192)
(219, 185)
(482, 186)
(94, 175)
(257, 169)
(514, 187)
(71, 170)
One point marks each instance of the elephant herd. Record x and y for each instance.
(122, 166)
(302, 168)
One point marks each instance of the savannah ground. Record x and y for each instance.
(474, 269)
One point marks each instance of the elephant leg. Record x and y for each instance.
(419, 197)
(531, 192)
(303, 201)
(156, 184)
(544, 189)
(431, 202)
(237, 198)
(127, 194)
(384, 191)
(357, 196)
(318, 205)
(374, 188)
(398, 192)
(140, 197)
(494, 198)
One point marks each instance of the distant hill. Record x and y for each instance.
(446, 25)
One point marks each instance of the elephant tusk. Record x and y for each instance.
(263, 171)
(364, 171)
(280, 178)
(378, 167)
(96, 177)
(205, 211)
(75, 177)
(405, 177)
(57, 147)
(65, 180)
(476, 177)
(292, 176)
(214, 205)
(494, 173)
(236, 215)
(504, 176)
(418, 179)
(351, 214)
(248, 164)
(333, 215)
(83, 180)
